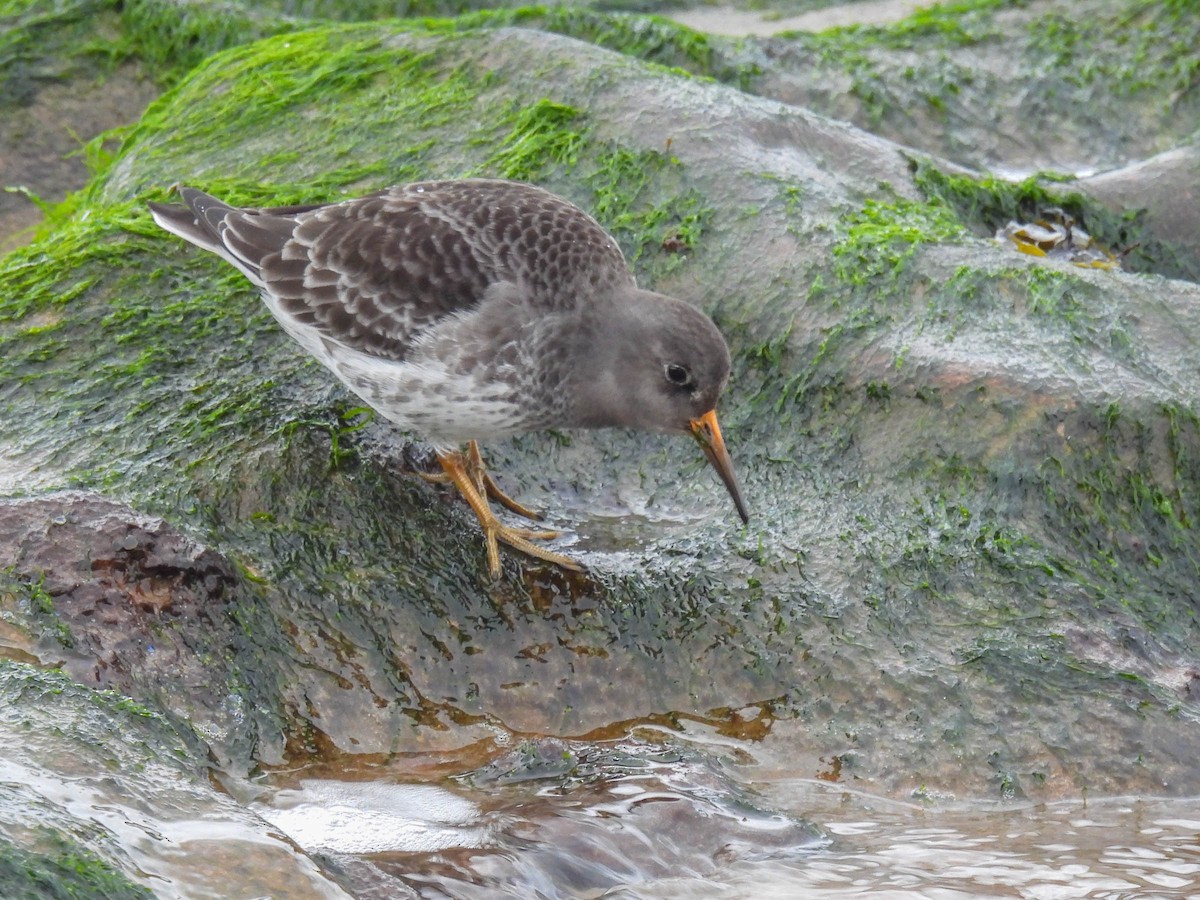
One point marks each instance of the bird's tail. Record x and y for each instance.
(198, 222)
(208, 223)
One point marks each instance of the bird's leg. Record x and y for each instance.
(484, 483)
(488, 486)
(458, 472)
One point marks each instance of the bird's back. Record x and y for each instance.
(373, 273)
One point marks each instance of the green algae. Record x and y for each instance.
(239, 108)
(1140, 47)
(58, 868)
(170, 37)
(1128, 505)
(108, 711)
(882, 237)
(649, 38)
(1107, 79)
(656, 236)
(72, 738)
(868, 282)
(936, 32)
(330, 555)
(163, 342)
(1057, 300)
(42, 42)
(983, 546)
(29, 596)
(541, 135)
(1131, 47)
(190, 380)
(987, 203)
(90, 38)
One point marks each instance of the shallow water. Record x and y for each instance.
(652, 809)
(667, 819)
(1110, 848)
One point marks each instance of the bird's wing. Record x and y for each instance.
(371, 273)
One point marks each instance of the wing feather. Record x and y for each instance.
(374, 272)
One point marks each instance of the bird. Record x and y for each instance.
(473, 309)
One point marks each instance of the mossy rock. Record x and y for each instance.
(973, 474)
(104, 798)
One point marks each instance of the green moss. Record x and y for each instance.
(31, 598)
(170, 37)
(177, 356)
(989, 203)
(880, 238)
(1135, 48)
(654, 235)
(91, 314)
(650, 38)
(1081, 64)
(1127, 508)
(954, 24)
(240, 107)
(934, 32)
(57, 868)
(1034, 291)
(541, 135)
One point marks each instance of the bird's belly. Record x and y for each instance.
(442, 405)
(445, 407)
(444, 411)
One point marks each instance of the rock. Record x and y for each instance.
(1162, 192)
(1070, 88)
(973, 473)
(919, 414)
(88, 773)
(125, 602)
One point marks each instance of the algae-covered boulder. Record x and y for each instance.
(104, 798)
(971, 565)
(1067, 87)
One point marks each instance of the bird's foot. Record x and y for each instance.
(468, 474)
(486, 486)
(522, 539)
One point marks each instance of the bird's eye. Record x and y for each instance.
(678, 375)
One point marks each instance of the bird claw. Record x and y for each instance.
(484, 483)
(468, 474)
(522, 539)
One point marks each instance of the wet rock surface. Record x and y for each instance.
(102, 565)
(117, 792)
(971, 570)
(125, 602)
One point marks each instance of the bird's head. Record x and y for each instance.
(656, 363)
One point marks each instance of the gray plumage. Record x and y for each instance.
(471, 309)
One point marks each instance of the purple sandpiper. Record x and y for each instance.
(472, 309)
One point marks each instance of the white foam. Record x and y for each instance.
(368, 817)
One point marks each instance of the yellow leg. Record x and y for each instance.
(489, 487)
(472, 485)
(484, 483)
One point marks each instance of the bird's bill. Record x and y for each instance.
(707, 433)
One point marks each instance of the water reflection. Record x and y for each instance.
(550, 819)
(1107, 849)
(641, 819)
